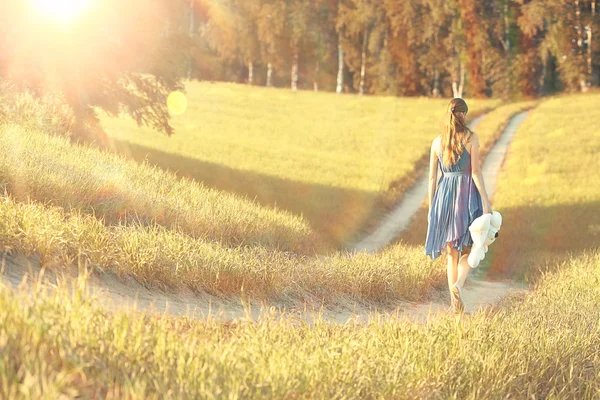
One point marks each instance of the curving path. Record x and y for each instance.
(398, 220)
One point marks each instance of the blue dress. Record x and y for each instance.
(456, 203)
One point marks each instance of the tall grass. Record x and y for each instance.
(543, 346)
(69, 203)
(325, 156)
(171, 259)
(48, 113)
(141, 221)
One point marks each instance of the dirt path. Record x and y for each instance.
(118, 293)
(126, 294)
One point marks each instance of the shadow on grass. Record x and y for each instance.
(532, 239)
(333, 212)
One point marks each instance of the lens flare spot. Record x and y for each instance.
(176, 103)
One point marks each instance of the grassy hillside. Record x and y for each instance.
(324, 156)
(48, 169)
(169, 258)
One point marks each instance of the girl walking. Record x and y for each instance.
(456, 199)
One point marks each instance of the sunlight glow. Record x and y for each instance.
(62, 11)
(177, 103)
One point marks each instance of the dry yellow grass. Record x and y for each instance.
(69, 203)
(61, 342)
(138, 220)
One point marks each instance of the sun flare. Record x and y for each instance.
(61, 10)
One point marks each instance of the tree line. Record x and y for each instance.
(481, 48)
(127, 56)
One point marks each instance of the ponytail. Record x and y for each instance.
(456, 132)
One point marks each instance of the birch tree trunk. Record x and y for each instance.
(269, 75)
(506, 41)
(384, 62)
(435, 92)
(461, 85)
(590, 70)
(578, 24)
(457, 86)
(340, 74)
(191, 33)
(363, 63)
(295, 72)
(582, 82)
(250, 72)
(436, 83)
(315, 82)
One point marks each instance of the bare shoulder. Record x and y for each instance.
(436, 145)
(473, 141)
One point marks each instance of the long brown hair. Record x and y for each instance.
(456, 132)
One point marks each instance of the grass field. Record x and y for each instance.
(51, 170)
(72, 204)
(323, 156)
(542, 345)
(138, 220)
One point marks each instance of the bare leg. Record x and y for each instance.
(463, 270)
(452, 255)
(455, 295)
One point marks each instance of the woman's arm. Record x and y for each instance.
(478, 176)
(433, 170)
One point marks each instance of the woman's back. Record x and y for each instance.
(463, 163)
